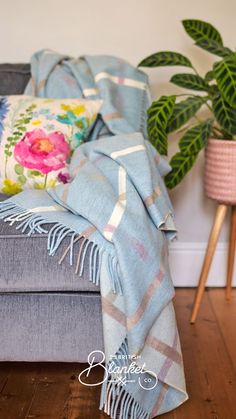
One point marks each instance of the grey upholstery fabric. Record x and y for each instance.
(26, 265)
(13, 78)
(47, 313)
(50, 327)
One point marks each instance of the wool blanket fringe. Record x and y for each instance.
(30, 223)
(115, 400)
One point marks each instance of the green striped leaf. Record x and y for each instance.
(200, 30)
(225, 74)
(189, 81)
(180, 166)
(183, 111)
(165, 58)
(213, 90)
(158, 117)
(225, 114)
(210, 75)
(213, 47)
(194, 140)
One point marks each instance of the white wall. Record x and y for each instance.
(131, 29)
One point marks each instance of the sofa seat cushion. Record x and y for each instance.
(27, 267)
(61, 327)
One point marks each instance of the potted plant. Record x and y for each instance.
(216, 91)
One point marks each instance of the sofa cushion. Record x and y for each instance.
(25, 263)
(38, 137)
(27, 267)
(13, 78)
(62, 327)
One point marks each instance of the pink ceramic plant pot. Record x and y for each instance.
(220, 171)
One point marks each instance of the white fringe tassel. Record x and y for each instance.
(29, 223)
(115, 399)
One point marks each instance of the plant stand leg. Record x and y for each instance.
(219, 218)
(231, 255)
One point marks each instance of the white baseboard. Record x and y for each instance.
(186, 260)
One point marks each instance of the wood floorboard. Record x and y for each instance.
(225, 312)
(16, 396)
(61, 396)
(52, 390)
(78, 406)
(210, 376)
(4, 374)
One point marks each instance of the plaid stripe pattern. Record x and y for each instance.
(116, 208)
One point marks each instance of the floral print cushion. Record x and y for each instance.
(38, 137)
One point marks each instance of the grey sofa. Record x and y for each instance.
(47, 313)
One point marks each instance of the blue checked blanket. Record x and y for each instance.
(118, 215)
(122, 87)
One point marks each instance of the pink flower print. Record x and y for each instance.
(42, 151)
(64, 177)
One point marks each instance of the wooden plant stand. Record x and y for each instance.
(212, 242)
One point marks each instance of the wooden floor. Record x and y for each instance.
(52, 391)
